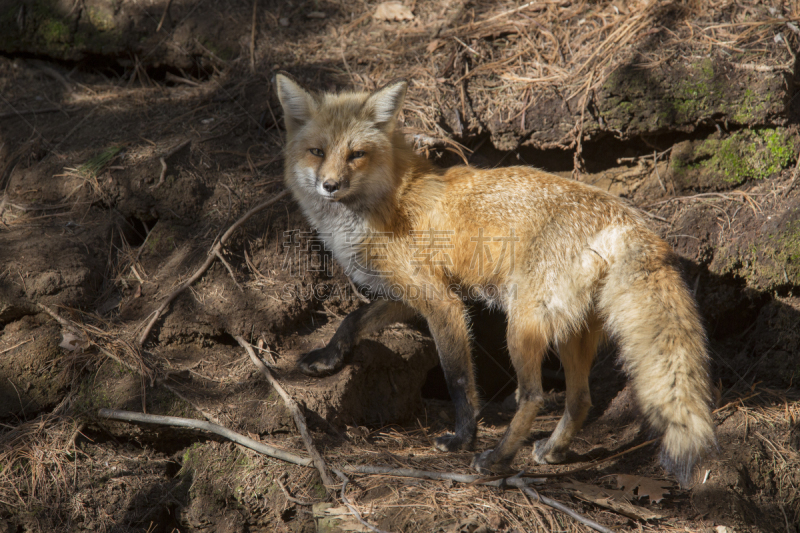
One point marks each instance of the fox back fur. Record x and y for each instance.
(568, 263)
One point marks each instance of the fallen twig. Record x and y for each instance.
(175, 421)
(30, 112)
(15, 346)
(207, 263)
(163, 160)
(299, 419)
(535, 496)
(163, 174)
(725, 196)
(163, 16)
(353, 510)
(436, 476)
(289, 496)
(357, 292)
(72, 327)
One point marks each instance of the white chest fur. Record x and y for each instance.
(344, 233)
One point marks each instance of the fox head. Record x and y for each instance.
(340, 147)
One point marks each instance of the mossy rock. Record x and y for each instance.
(768, 258)
(70, 31)
(62, 30)
(634, 100)
(721, 163)
(637, 100)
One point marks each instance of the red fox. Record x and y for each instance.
(568, 263)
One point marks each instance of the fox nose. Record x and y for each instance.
(330, 186)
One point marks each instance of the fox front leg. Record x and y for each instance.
(447, 322)
(354, 327)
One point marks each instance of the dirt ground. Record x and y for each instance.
(123, 163)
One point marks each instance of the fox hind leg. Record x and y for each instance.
(577, 355)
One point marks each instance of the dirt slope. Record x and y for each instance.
(133, 134)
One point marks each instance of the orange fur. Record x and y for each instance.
(567, 262)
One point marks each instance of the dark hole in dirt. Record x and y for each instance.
(136, 230)
(599, 154)
(494, 373)
(225, 339)
(125, 68)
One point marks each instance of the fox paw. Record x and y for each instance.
(485, 464)
(450, 442)
(320, 362)
(543, 455)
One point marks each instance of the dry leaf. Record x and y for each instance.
(72, 342)
(393, 11)
(652, 488)
(433, 45)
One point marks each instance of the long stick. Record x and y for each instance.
(207, 263)
(535, 496)
(127, 416)
(299, 419)
(516, 481)
(437, 476)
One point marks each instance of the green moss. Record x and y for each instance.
(768, 264)
(222, 52)
(319, 491)
(778, 261)
(54, 31)
(752, 107)
(681, 167)
(749, 154)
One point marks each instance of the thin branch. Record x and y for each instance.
(207, 263)
(15, 346)
(163, 174)
(163, 16)
(289, 496)
(253, 39)
(357, 292)
(30, 112)
(163, 160)
(230, 269)
(436, 476)
(71, 326)
(127, 416)
(353, 510)
(299, 419)
(535, 496)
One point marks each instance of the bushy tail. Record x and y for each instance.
(651, 313)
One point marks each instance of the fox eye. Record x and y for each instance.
(357, 154)
(317, 152)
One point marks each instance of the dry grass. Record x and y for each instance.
(38, 460)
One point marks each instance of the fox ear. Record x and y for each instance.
(385, 103)
(298, 104)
